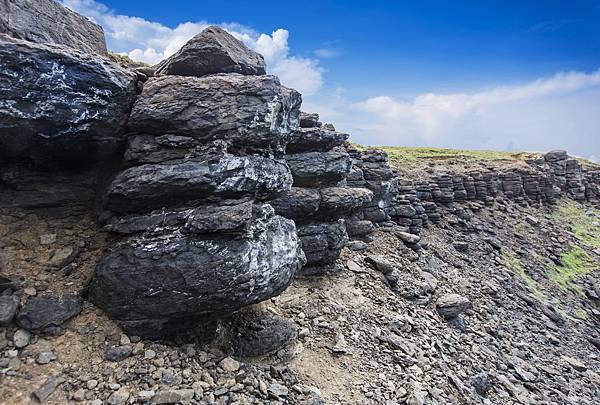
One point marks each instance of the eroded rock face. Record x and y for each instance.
(250, 113)
(314, 139)
(148, 282)
(303, 204)
(212, 51)
(47, 21)
(215, 176)
(66, 105)
(318, 169)
(323, 242)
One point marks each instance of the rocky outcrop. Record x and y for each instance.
(65, 107)
(54, 24)
(194, 238)
(214, 50)
(320, 199)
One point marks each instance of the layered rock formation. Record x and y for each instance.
(197, 241)
(320, 199)
(544, 181)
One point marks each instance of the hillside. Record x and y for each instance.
(184, 234)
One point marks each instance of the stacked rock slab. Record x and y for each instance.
(371, 170)
(320, 200)
(196, 239)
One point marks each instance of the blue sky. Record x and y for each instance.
(469, 74)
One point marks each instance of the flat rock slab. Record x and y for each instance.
(212, 177)
(212, 51)
(245, 111)
(314, 139)
(46, 314)
(319, 169)
(58, 104)
(305, 204)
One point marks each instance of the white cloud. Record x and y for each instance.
(150, 42)
(327, 52)
(560, 111)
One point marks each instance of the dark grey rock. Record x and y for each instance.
(451, 305)
(47, 21)
(319, 169)
(482, 383)
(58, 104)
(8, 308)
(305, 204)
(359, 227)
(299, 202)
(323, 242)
(45, 314)
(227, 217)
(309, 120)
(357, 245)
(45, 358)
(160, 284)
(212, 177)
(381, 264)
(212, 51)
(247, 112)
(117, 353)
(156, 149)
(261, 334)
(314, 140)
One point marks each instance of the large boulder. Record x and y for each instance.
(157, 285)
(211, 177)
(250, 113)
(212, 51)
(59, 104)
(47, 21)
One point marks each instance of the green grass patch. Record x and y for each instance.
(125, 60)
(585, 225)
(576, 262)
(511, 261)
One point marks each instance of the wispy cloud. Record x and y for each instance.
(555, 112)
(150, 42)
(327, 52)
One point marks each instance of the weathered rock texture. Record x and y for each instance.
(248, 112)
(156, 284)
(193, 234)
(544, 181)
(66, 106)
(320, 199)
(53, 24)
(214, 50)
